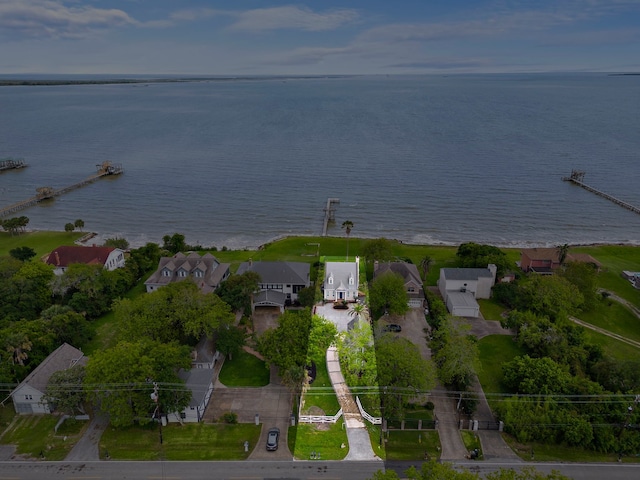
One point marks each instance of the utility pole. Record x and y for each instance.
(155, 396)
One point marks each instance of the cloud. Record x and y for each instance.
(50, 18)
(292, 17)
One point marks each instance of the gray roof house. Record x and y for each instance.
(200, 382)
(341, 280)
(280, 282)
(27, 397)
(460, 287)
(205, 270)
(412, 281)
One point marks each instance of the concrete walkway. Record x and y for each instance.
(357, 434)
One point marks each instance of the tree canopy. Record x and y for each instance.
(387, 294)
(119, 380)
(474, 255)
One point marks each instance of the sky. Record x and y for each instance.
(318, 37)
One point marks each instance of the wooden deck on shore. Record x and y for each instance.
(44, 193)
(577, 177)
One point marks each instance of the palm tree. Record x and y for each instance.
(347, 225)
(563, 250)
(425, 264)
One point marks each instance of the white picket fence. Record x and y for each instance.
(320, 418)
(366, 416)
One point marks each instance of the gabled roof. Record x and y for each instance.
(62, 358)
(466, 273)
(213, 271)
(269, 297)
(408, 271)
(293, 273)
(547, 253)
(341, 272)
(197, 380)
(69, 254)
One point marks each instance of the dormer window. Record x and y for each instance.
(198, 274)
(182, 273)
(351, 280)
(166, 273)
(330, 280)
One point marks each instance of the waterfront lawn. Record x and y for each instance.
(614, 317)
(245, 370)
(328, 439)
(495, 350)
(411, 444)
(41, 242)
(34, 436)
(188, 442)
(491, 310)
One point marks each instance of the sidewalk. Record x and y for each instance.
(357, 434)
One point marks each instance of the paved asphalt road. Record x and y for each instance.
(307, 470)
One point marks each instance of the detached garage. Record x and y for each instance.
(462, 304)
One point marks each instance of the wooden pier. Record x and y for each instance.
(44, 193)
(329, 214)
(577, 178)
(11, 164)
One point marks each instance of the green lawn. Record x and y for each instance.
(41, 242)
(491, 310)
(34, 436)
(612, 347)
(560, 453)
(614, 317)
(245, 370)
(495, 350)
(321, 394)
(471, 442)
(412, 445)
(194, 441)
(327, 440)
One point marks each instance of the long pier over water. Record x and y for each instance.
(11, 164)
(577, 178)
(329, 214)
(44, 193)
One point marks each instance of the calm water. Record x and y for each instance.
(420, 159)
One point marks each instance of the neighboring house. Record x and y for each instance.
(200, 382)
(412, 281)
(109, 257)
(27, 397)
(205, 270)
(545, 260)
(280, 282)
(460, 287)
(341, 281)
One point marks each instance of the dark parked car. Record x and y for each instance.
(392, 327)
(272, 439)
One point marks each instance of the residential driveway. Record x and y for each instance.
(339, 317)
(414, 328)
(271, 403)
(88, 447)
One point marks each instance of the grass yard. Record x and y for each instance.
(614, 317)
(562, 453)
(41, 242)
(35, 437)
(180, 442)
(326, 439)
(320, 394)
(471, 442)
(245, 370)
(612, 347)
(412, 445)
(495, 350)
(7, 414)
(490, 309)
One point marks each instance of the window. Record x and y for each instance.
(166, 273)
(28, 397)
(331, 280)
(183, 415)
(198, 274)
(182, 273)
(351, 280)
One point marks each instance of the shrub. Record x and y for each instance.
(230, 417)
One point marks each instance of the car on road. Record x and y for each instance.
(272, 439)
(392, 327)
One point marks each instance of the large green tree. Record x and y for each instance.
(456, 354)
(23, 254)
(548, 295)
(387, 294)
(402, 373)
(358, 355)
(118, 380)
(65, 390)
(178, 311)
(474, 255)
(237, 290)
